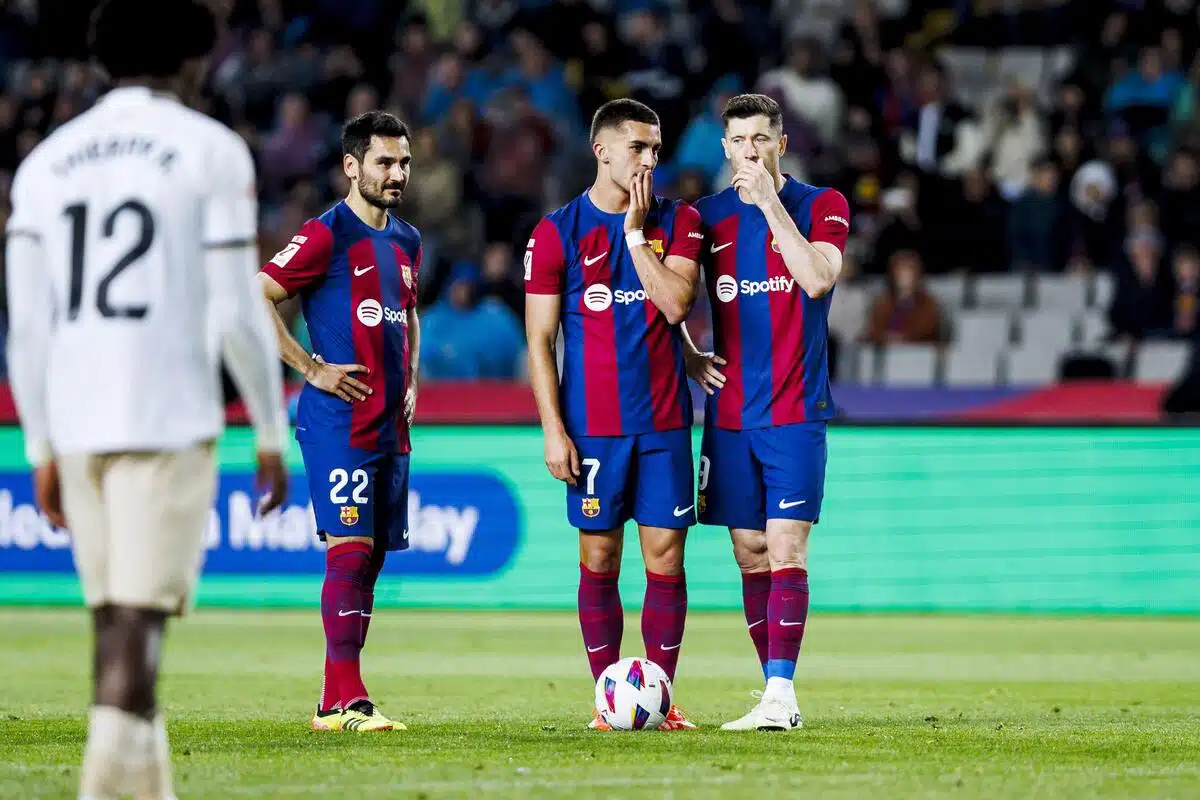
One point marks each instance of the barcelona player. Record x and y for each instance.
(355, 269)
(617, 269)
(774, 252)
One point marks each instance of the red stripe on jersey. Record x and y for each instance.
(366, 303)
(787, 344)
(602, 387)
(664, 371)
(408, 299)
(727, 322)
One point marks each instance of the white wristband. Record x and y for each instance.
(635, 238)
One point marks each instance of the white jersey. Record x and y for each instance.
(124, 202)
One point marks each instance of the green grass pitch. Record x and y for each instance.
(894, 707)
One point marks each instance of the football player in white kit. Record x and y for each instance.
(131, 269)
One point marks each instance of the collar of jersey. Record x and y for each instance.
(132, 95)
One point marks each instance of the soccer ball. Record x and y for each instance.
(633, 694)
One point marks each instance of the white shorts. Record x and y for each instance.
(137, 523)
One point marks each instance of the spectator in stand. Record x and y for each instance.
(906, 311)
(1146, 98)
(296, 147)
(806, 93)
(700, 147)
(847, 312)
(1035, 222)
(1092, 238)
(463, 338)
(900, 226)
(1186, 306)
(1141, 303)
(980, 219)
(1179, 200)
(500, 279)
(1015, 137)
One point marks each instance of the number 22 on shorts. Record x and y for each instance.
(339, 478)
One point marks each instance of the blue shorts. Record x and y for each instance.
(646, 477)
(750, 476)
(358, 492)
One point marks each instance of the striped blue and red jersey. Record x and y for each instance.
(772, 334)
(622, 362)
(356, 286)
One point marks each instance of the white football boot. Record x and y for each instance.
(771, 714)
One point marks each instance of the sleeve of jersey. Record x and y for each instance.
(830, 219)
(231, 208)
(304, 260)
(688, 235)
(545, 263)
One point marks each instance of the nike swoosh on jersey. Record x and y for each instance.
(587, 262)
(362, 270)
(718, 248)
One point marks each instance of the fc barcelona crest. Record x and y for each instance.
(591, 506)
(349, 515)
(406, 273)
(657, 246)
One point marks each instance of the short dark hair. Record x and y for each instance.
(744, 106)
(357, 133)
(180, 30)
(616, 113)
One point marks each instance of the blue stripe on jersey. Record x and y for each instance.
(754, 318)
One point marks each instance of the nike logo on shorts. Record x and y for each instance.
(679, 512)
(784, 505)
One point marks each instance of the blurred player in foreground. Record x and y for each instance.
(134, 230)
(774, 253)
(355, 268)
(617, 267)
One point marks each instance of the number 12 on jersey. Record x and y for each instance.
(77, 216)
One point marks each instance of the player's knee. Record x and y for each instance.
(750, 550)
(787, 544)
(600, 552)
(662, 550)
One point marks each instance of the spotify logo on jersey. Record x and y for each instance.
(727, 288)
(369, 312)
(597, 297)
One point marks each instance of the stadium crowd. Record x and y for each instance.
(997, 154)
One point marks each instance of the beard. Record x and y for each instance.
(374, 193)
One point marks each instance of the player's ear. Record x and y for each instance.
(725, 147)
(782, 145)
(350, 166)
(600, 151)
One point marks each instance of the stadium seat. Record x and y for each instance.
(1066, 293)
(864, 367)
(1158, 362)
(1046, 328)
(983, 329)
(950, 290)
(909, 365)
(1093, 329)
(1032, 364)
(1103, 287)
(1000, 291)
(965, 366)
